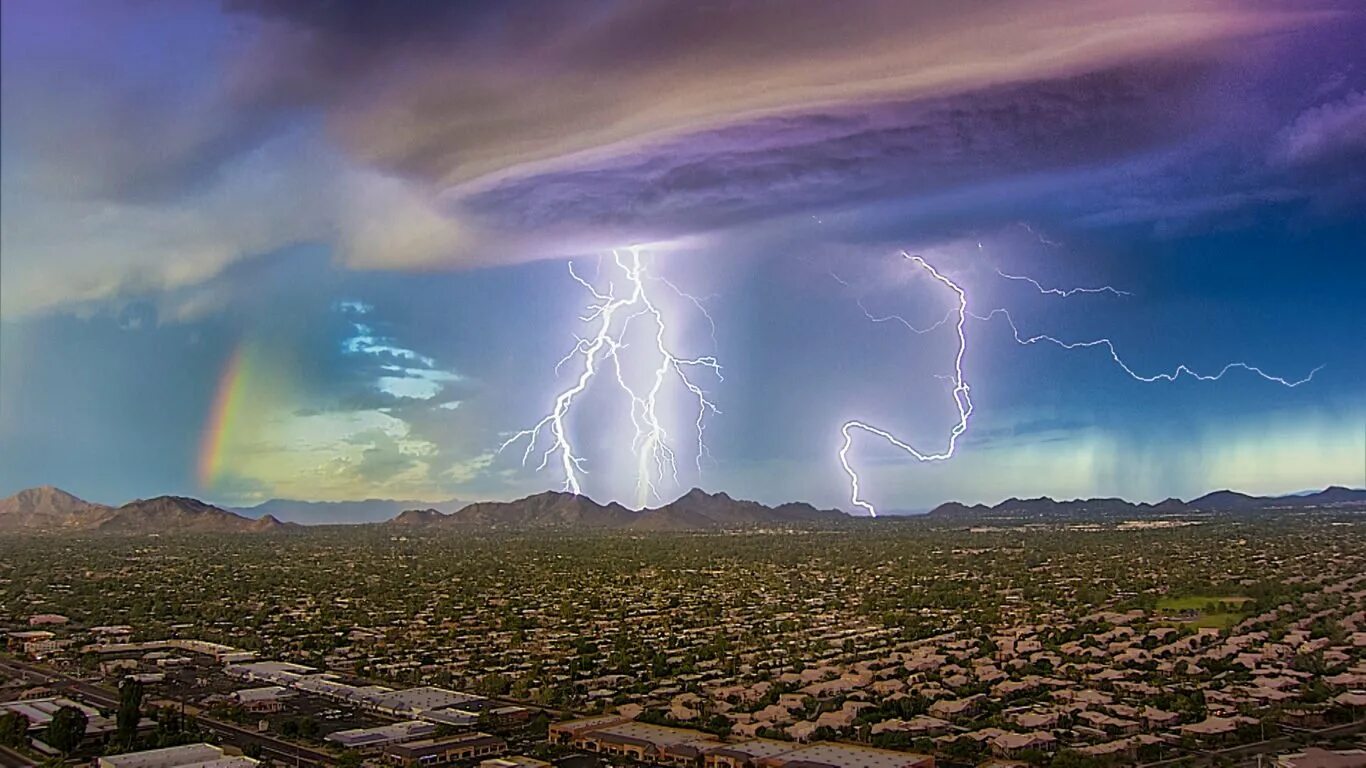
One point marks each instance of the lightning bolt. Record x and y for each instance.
(1108, 345)
(1062, 292)
(893, 318)
(611, 317)
(961, 399)
(960, 390)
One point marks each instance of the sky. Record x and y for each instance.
(336, 250)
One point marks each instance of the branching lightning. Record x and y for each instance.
(1060, 291)
(612, 316)
(961, 399)
(894, 318)
(960, 390)
(1178, 372)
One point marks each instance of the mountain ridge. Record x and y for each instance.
(1222, 501)
(354, 512)
(49, 509)
(694, 510)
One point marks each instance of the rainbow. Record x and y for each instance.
(227, 402)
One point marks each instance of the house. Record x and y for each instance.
(1013, 744)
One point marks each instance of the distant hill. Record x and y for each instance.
(1224, 501)
(178, 514)
(695, 510)
(543, 510)
(49, 509)
(340, 512)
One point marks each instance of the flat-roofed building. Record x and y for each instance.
(184, 756)
(39, 712)
(425, 752)
(567, 732)
(382, 736)
(278, 672)
(513, 761)
(1317, 757)
(746, 754)
(264, 700)
(839, 755)
(413, 701)
(659, 744)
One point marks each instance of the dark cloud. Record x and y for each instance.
(839, 158)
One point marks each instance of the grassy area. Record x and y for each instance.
(1221, 611)
(1219, 620)
(1197, 602)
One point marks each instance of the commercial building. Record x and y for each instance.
(382, 736)
(513, 761)
(264, 700)
(426, 752)
(39, 713)
(185, 756)
(686, 748)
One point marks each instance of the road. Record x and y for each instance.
(1292, 741)
(11, 759)
(278, 750)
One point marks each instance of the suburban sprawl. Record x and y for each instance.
(1187, 639)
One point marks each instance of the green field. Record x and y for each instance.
(1225, 614)
(1218, 620)
(1198, 602)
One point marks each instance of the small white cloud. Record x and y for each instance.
(1325, 131)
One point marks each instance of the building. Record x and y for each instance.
(186, 756)
(746, 754)
(382, 736)
(1315, 757)
(839, 755)
(513, 761)
(277, 672)
(39, 713)
(426, 752)
(264, 700)
(646, 742)
(47, 619)
(20, 640)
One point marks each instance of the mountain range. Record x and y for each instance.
(340, 512)
(49, 509)
(694, 510)
(1216, 502)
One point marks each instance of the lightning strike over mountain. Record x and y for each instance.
(961, 400)
(960, 388)
(612, 317)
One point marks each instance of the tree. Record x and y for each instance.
(130, 712)
(13, 729)
(66, 730)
